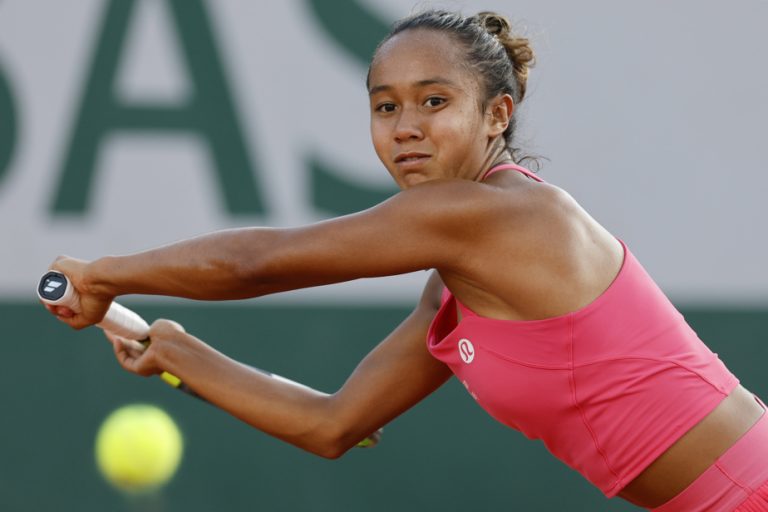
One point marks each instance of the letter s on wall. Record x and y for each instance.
(8, 128)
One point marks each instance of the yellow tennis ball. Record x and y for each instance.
(138, 448)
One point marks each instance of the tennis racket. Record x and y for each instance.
(55, 289)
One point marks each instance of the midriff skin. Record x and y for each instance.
(696, 451)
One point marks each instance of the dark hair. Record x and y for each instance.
(496, 55)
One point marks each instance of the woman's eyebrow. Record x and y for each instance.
(421, 83)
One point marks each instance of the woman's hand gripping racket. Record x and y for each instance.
(54, 289)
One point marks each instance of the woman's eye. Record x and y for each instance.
(434, 101)
(385, 107)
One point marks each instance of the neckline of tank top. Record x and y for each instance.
(468, 313)
(513, 167)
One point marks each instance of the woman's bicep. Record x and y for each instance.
(418, 229)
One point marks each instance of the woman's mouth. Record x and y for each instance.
(411, 159)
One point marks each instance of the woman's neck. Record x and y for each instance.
(497, 157)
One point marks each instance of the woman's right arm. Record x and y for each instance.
(393, 377)
(438, 224)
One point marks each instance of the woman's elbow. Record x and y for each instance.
(333, 443)
(331, 452)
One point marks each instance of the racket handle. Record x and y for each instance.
(124, 322)
(55, 289)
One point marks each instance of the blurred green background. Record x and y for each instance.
(445, 454)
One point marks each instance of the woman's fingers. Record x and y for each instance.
(135, 356)
(135, 346)
(59, 311)
(92, 307)
(129, 354)
(121, 353)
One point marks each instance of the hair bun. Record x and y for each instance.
(495, 24)
(518, 49)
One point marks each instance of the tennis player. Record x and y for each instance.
(548, 320)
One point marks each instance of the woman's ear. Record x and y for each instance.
(499, 113)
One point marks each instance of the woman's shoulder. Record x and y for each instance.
(481, 198)
(481, 217)
(522, 197)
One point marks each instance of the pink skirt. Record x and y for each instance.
(736, 482)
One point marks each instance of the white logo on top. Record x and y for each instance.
(466, 350)
(51, 285)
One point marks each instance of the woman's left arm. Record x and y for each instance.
(398, 373)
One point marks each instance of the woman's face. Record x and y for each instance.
(426, 117)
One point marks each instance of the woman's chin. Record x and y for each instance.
(413, 178)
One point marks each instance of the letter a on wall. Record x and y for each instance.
(209, 112)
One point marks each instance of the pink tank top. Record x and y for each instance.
(607, 388)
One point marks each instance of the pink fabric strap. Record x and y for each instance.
(515, 167)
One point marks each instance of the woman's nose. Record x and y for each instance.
(408, 126)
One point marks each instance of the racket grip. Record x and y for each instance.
(124, 322)
(54, 288)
